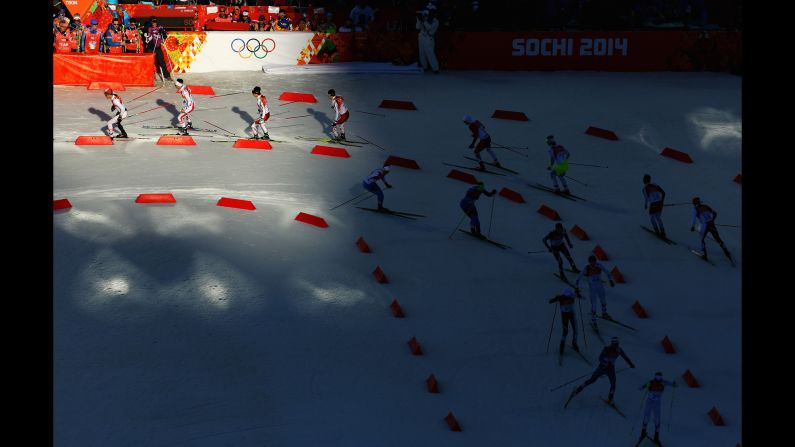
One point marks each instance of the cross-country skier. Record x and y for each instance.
(656, 387)
(187, 107)
(596, 290)
(468, 206)
(554, 241)
(706, 216)
(607, 366)
(340, 115)
(263, 113)
(567, 316)
(654, 197)
(370, 183)
(479, 132)
(558, 164)
(121, 113)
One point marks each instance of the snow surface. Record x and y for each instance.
(198, 325)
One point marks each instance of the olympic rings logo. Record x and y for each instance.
(253, 47)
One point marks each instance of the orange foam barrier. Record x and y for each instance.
(311, 220)
(201, 90)
(602, 133)
(94, 140)
(415, 347)
(639, 310)
(432, 384)
(402, 162)
(579, 233)
(176, 140)
(548, 212)
(511, 195)
(61, 204)
(463, 176)
(297, 97)
(509, 115)
(243, 143)
(380, 276)
(393, 104)
(362, 244)
(156, 198)
(331, 151)
(452, 422)
(397, 311)
(236, 203)
(676, 155)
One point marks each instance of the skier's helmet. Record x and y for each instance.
(568, 291)
(558, 226)
(256, 90)
(614, 341)
(646, 178)
(658, 375)
(467, 119)
(331, 92)
(108, 91)
(551, 140)
(696, 201)
(592, 259)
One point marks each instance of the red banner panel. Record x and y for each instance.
(83, 69)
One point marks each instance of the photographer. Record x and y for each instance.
(427, 26)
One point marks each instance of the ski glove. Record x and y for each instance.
(632, 365)
(612, 283)
(693, 228)
(472, 145)
(577, 290)
(571, 246)
(113, 107)
(494, 191)
(388, 186)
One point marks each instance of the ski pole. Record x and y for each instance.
(583, 164)
(726, 225)
(299, 116)
(512, 150)
(671, 409)
(584, 375)
(370, 142)
(347, 201)
(554, 311)
(677, 204)
(225, 94)
(491, 217)
(152, 91)
(456, 227)
(582, 325)
(369, 113)
(512, 147)
(218, 127)
(642, 397)
(539, 251)
(142, 121)
(574, 179)
(360, 201)
(289, 102)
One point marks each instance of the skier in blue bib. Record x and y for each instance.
(468, 206)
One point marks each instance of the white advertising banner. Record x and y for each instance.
(250, 50)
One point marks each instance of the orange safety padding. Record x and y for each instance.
(83, 69)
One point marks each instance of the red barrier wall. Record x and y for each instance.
(82, 69)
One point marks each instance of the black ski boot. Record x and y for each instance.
(657, 438)
(562, 346)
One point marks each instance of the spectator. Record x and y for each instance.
(236, 16)
(262, 24)
(361, 10)
(330, 26)
(244, 18)
(63, 37)
(302, 25)
(427, 26)
(114, 37)
(77, 32)
(132, 38)
(283, 23)
(222, 17)
(122, 13)
(154, 36)
(92, 42)
(348, 27)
